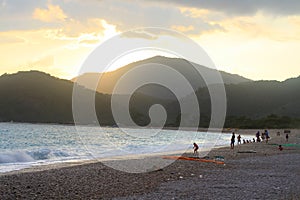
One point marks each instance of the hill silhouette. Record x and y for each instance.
(258, 104)
(35, 97)
(38, 97)
(108, 80)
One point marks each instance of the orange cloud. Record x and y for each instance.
(53, 14)
(72, 29)
(194, 12)
(59, 51)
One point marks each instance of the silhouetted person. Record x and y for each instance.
(239, 139)
(196, 147)
(267, 135)
(258, 136)
(287, 137)
(232, 141)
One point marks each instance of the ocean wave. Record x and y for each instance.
(32, 156)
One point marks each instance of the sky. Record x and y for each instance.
(258, 39)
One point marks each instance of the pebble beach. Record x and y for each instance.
(251, 171)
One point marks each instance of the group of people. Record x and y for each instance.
(264, 136)
(259, 137)
(239, 140)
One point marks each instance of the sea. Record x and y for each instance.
(24, 145)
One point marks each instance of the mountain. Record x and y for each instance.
(38, 97)
(35, 96)
(187, 69)
(273, 103)
(261, 98)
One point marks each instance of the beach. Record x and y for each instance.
(259, 171)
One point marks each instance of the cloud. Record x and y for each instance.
(3, 4)
(279, 29)
(89, 42)
(92, 29)
(15, 15)
(69, 29)
(138, 14)
(154, 33)
(241, 7)
(139, 34)
(183, 29)
(195, 12)
(74, 16)
(52, 14)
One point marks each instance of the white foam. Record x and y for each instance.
(15, 157)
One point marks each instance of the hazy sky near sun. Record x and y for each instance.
(258, 39)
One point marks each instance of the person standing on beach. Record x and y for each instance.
(258, 136)
(287, 137)
(267, 135)
(239, 139)
(196, 147)
(232, 141)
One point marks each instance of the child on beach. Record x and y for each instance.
(196, 147)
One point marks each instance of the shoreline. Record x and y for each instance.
(71, 163)
(268, 173)
(74, 162)
(200, 129)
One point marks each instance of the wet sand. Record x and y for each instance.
(266, 174)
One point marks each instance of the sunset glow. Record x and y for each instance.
(56, 36)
